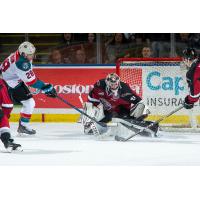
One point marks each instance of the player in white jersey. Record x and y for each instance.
(18, 73)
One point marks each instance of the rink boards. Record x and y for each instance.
(45, 117)
(162, 88)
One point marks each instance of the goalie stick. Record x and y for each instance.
(81, 99)
(119, 138)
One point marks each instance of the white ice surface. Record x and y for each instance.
(65, 144)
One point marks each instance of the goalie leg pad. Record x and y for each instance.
(152, 130)
(136, 126)
(120, 130)
(92, 111)
(93, 128)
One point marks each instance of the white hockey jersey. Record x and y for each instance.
(16, 69)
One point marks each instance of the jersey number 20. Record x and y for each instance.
(30, 74)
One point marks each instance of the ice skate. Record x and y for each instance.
(9, 143)
(25, 130)
(11, 146)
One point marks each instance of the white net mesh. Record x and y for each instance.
(162, 85)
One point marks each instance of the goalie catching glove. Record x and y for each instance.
(139, 111)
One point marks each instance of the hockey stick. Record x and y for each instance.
(81, 99)
(77, 109)
(119, 138)
(80, 111)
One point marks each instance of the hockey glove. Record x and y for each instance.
(187, 104)
(49, 90)
(139, 111)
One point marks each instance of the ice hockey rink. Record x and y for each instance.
(65, 144)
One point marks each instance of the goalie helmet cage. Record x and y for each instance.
(162, 85)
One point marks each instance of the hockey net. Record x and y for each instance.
(162, 85)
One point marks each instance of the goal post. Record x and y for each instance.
(161, 83)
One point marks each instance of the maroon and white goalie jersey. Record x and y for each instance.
(115, 102)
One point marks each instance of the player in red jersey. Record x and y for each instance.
(192, 62)
(5, 110)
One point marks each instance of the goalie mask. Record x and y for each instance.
(113, 81)
(189, 55)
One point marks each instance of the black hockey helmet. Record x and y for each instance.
(189, 54)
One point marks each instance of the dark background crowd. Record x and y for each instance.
(103, 48)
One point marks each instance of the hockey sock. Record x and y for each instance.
(25, 119)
